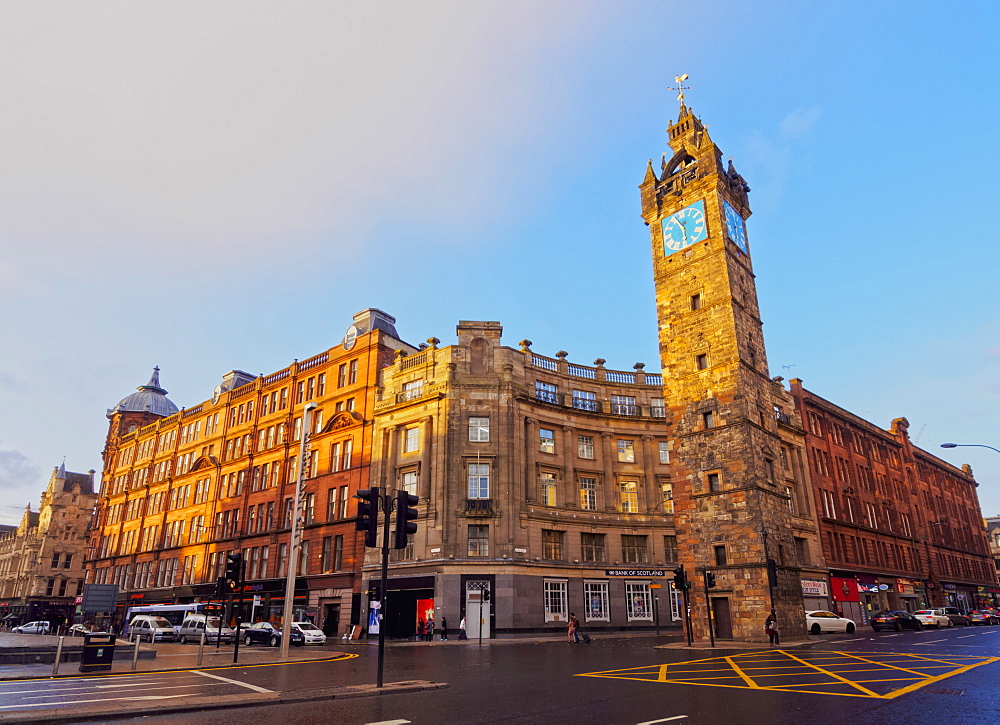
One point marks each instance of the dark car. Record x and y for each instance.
(983, 616)
(897, 621)
(269, 634)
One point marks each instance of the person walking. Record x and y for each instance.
(771, 627)
(444, 628)
(571, 635)
(461, 630)
(429, 632)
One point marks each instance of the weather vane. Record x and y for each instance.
(680, 87)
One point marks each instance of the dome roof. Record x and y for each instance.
(151, 398)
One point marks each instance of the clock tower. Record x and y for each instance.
(732, 514)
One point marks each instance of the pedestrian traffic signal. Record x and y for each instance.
(404, 518)
(680, 580)
(234, 568)
(709, 579)
(368, 514)
(486, 595)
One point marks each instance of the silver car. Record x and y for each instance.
(33, 628)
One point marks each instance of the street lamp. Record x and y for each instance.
(968, 445)
(295, 535)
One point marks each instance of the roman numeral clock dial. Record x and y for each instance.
(684, 228)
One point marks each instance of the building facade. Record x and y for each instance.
(901, 529)
(42, 559)
(544, 489)
(184, 488)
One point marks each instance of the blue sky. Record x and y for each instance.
(214, 185)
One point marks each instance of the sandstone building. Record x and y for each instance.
(183, 488)
(42, 559)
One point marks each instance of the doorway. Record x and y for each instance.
(722, 617)
(331, 620)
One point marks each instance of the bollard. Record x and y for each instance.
(201, 648)
(135, 653)
(55, 665)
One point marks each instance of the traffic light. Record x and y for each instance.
(680, 581)
(486, 595)
(404, 518)
(368, 514)
(222, 587)
(709, 579)
(234, 568)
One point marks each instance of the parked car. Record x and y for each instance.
(897, 621)
(956, 616)
(310, 632)
(213, 627)
(933, 618)
(983, 616)
(152, 628)
(821, 620)
(269, 634)
(33, 628)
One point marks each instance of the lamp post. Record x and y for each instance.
(293, 540)
(969, 445)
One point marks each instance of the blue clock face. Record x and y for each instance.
(736, 228)
(684, 228)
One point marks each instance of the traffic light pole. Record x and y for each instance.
(385, 503)
(708, 606)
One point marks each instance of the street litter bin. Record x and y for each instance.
(98, 652)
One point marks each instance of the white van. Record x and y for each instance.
(213, 627)
(152, 628)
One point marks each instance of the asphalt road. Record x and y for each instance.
(934, 676)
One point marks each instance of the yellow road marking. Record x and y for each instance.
(835, 676)
(938, 678)
(663, 673)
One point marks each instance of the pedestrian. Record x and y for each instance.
(429, 632)
(771, 627)
(420, 629)
(571, 636)
(461, 630)
(444, 628)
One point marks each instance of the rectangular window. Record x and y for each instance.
(634, 549)
(695, 302)
(479, 540)
(546, 392)
(585, 400)
(479, 429)
(670, 548)
(629, 491)
(714, 481)
(413, 389)
(552, 544)
(638, 603)
(626, 451)
(701, 361)
(554, 592)
(338, 552)
(657, 409)
(592, 546)
(343, 502)
(546, 440)
(664, 449)
(548, 481)
(310, 507)
(585, 447)
(352, 375)
(321, 385)
(595, 596)
(409, 481)
(623, 405)
(707, 420)
(342, 375)
(668, 498)
(720, 555)
(331, 504)
(479, 480)
(282, 560)
(588, 493)
(411, 439)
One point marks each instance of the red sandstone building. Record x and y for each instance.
(183, 488)
(900, 528)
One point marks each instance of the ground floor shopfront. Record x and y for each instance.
(57, 611)
(512, 601)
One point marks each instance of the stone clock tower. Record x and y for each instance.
(732, 514)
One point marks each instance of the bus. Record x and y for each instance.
(173, 613)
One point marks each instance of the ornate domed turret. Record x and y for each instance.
(151, 398)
